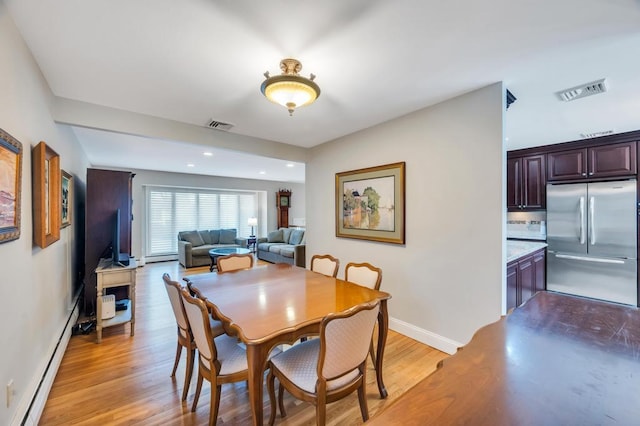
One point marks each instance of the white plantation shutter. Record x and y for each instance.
(172, 210)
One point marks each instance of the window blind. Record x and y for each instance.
(171, 210)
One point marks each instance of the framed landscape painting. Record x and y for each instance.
(10, 186)
(370, 203)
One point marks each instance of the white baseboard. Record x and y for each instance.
(424, 336)
(30, 409)
(164, 258)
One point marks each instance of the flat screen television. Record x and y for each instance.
(117, 258)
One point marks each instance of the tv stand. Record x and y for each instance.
(112, 275)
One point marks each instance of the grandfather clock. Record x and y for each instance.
(283, 201)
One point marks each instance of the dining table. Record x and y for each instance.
(557, 359)
(277, 304)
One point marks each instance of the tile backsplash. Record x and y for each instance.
(527, 225)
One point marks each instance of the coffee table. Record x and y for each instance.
(214, 253)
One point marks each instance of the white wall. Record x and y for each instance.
(448, 279)
(147, 177)
(37, 285)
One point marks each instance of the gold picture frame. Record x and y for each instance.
(10, 187)
(66, 200)
(370, 203)
(46, 195)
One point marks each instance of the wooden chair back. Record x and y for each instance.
(344, 340)
(325, 264)
(363, 274)
(173, 291)
(198, 317)
(185, 337)
(234, 262)
(337, 361)
(220, 360)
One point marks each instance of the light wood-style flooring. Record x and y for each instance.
(125, 380)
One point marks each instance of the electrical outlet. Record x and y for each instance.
(9, 392)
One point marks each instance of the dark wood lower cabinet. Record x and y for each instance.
(525, 277)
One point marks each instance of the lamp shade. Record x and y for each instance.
(253, 221)
(290, 89)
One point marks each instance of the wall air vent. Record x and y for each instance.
(219, 125)
(582, 91)
(596, 134)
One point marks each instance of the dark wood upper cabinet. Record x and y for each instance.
(526, 183)
(613, 160)
(567, 165)
(604, 161)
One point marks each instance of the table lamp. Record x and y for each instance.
(252, 222)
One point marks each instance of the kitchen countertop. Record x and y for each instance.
(517, 248)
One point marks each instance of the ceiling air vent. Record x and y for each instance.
(596, 134)
(219, 125)
(582, 91)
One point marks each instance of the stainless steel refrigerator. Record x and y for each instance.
(592, 238)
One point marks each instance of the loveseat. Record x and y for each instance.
(285, 245)
(194, 246)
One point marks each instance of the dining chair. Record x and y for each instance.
(185, 337)
(327, 369)
(220, 360)
(364, 274)
(325, 264)
(234, 262)
(367, 275)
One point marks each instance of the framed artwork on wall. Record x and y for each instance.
(46, 195)
(66, 202)
(370, 203)
(10, 186)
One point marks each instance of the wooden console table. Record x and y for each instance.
(116, 276)
(556, 360)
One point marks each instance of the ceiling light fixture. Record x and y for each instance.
(290, 89)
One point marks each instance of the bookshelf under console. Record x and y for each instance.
(108, 276)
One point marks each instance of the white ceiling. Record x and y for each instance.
(375, 60)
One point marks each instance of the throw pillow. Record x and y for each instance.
(215, 236)
(227, 236)
(206, 237)
(286, 234)
(296, 236)
(275, 237)
(193, 237)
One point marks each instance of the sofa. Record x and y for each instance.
(194, 246)
(284, 245)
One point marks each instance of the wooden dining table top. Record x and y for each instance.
(556, 360)
(266, 300)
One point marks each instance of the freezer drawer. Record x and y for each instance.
(599, 278)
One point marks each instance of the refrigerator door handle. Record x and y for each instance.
(592, 213)
(582, 230)
(589, 259)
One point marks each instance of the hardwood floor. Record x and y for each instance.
(125, 380)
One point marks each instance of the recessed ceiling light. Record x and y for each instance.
(290, 165)
(191, 165)
(262, 172)
(207, 154)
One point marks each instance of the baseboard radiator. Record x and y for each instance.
(41, 387)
